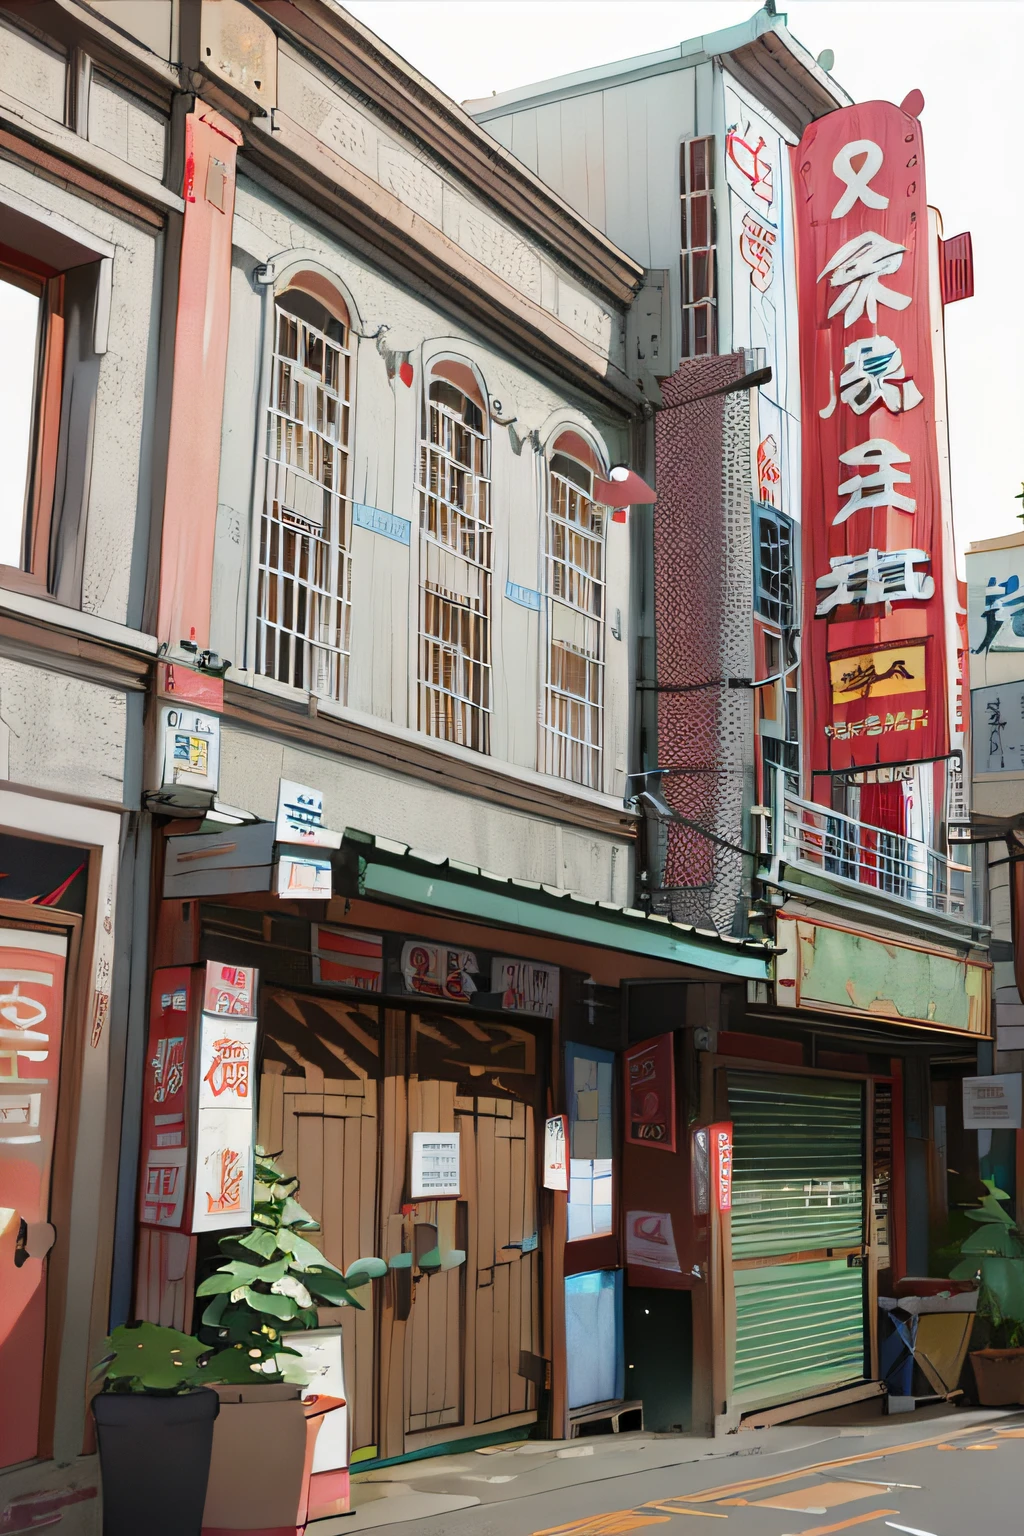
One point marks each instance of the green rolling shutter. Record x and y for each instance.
(798, 1187)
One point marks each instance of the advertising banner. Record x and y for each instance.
(875, 681)
(651, 1093)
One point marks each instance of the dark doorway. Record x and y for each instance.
(659, 1356)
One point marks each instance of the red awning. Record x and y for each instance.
(624, 488)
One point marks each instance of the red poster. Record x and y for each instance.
(163, 1170)
(721, 1163)
(651, 1093)
(31, 1025)
(874, 649)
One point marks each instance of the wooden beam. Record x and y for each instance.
(804, 1407)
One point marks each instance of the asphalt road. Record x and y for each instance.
(969, 1484)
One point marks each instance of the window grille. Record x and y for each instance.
(455, 570)
(304, 587)
(699, 298)
(574, 589)
(774, 572)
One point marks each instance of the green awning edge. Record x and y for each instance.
(384, 880)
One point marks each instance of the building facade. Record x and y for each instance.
(793, 395)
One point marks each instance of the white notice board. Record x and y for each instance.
(435, 1173)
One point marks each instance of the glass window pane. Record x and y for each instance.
(20, 312)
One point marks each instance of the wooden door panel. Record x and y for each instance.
(434, 1338)
(507, 1314)
(324, 1129)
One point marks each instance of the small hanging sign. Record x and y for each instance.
(556, 1152)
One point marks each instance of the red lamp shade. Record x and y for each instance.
(624, 488)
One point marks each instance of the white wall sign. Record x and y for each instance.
(993, 1103)
(190, 757)
(300, 817)
(435, 1173)
(525, 987)
(224, 1164)
(321, 1353)
(303, 879)
(650, 1240)
(556, 1152)
(227, 1057)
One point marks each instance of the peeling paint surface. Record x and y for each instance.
(838, 968)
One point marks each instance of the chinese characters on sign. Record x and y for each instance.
(997, 728)
(992, 1102)
(721, 1163)
(435, 1166)
(165, 1103)
(651, 1093)
(873, 516)
(434, 970)
(222, 1195)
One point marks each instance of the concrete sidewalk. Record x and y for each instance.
(442, 1485)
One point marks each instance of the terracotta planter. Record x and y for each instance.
(154, 1457)
(999, 1374)
(262, 1459)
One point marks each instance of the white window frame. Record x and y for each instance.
(572, 734)
(691, 195)
(313, 579)
(456, 539)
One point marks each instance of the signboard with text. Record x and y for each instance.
(720, 1137)
(651, 1093)
(876, 686)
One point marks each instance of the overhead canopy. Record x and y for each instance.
(390, 871)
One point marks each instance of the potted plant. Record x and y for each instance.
(154, 1427)
(994, 1255)
(270, 1284)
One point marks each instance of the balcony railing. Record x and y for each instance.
(834, 844)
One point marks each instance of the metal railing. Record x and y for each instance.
(835, 844)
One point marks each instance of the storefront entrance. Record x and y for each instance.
(800, 1256)
(344, 1087)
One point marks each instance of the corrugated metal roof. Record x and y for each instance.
(435, 880)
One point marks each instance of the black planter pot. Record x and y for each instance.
(155, 1460)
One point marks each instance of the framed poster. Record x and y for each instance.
(435, 1172)
(525, 987)
(651, 1093)
(230, 989)
(435, 970)
(992, 1103)
(556, 1152)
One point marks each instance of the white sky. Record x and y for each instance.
(966, 58)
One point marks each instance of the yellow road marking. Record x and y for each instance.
(844, 1525)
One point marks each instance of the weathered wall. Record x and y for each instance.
(433, 820)
(383, 475)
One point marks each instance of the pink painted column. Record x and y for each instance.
(200, 360)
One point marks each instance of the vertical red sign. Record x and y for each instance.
(721, 1163)
(163, 1174)
(651, 1093)
(875, 671)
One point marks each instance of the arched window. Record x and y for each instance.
(455, 559)
(573, 735)
(304, 586)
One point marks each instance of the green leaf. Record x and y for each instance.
(400, 1261)
(967, 1269)
(1004, 1277)
(259, 1241)
(293, 1215)
(329, 1286)
(214, 1312)
(278, 1306)
(213, 1285)
(992, 1238)
(146, 1356)
(365, 1269)
(302, 1251)
(999, 1194)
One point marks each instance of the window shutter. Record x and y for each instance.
(957, 260)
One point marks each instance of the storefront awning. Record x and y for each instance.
(390, 871)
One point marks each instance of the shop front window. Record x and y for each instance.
(589, 1082)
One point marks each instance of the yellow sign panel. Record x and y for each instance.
(877, 673)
